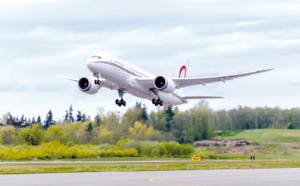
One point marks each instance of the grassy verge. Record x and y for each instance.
(62, 167)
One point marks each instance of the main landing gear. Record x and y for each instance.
(121, 101)
(157, 101)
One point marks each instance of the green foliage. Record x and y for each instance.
(268, 135)
(121, 143)
(1, 140)
(229, 133)
(32, 135)
(8, 135)
(257, 118)
(54, 133)
(139, 129)
(174, 149)
(56, 150)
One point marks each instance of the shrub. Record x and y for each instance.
(32, 135)
(170, 149)
(118, 153)
(187, 150)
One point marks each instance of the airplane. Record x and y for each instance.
(117, 74)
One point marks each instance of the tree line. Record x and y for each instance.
(168, 123)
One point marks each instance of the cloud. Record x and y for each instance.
(12, 85)
(40, 38)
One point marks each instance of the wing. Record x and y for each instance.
(180, 83)
(185, 82)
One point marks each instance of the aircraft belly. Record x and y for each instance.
(127, 82)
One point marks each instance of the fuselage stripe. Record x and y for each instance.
(134, 73)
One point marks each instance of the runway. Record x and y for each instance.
(249, 177)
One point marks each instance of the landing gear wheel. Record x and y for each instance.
(157, 102)
(97, 82)
(122, 102)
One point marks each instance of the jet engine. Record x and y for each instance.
(164, 84)
(88, 85)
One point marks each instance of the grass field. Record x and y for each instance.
(272, 148)
(265, 144)
(267, 136)
(60, 167)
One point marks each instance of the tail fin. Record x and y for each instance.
(183, 68)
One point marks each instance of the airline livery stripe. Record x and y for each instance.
(134, 73)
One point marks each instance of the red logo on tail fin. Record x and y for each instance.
(181, 69)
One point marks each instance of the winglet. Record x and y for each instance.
(183, 68)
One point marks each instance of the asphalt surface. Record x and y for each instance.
(250, 177)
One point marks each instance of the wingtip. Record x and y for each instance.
(268, 69)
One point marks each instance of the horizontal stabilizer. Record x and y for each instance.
(203, 97)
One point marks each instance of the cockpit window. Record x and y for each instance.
(99, 57)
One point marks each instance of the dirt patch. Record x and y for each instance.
(223, 143)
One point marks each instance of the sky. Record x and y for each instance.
(41, 38)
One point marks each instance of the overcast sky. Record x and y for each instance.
(39, 38)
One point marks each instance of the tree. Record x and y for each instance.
(79, 116)
(144, 113)
(71, 118)
(138, 131)
(33, 121)
(66, 118)
(169, 116)
(84, 118)
(89, 130)
(98, 120)
(49, 120)
(39, 120)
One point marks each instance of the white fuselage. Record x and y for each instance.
(123, 75)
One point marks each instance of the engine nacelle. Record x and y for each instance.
(164, 84)
(88, 85)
